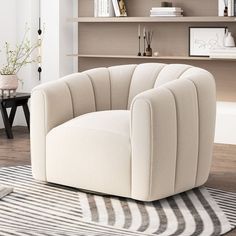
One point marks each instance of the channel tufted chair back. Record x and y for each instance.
(140, 131)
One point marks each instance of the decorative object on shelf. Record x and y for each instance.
(156, 54)
(139, 40)
(119, 8)
(222, 7)
(226, 9)
(229, 40)
(144, 41)
(15, 60)
(166, 11)
(103, 8)
(204, 39)
(224, 53)
(166, 4)
(149, 36)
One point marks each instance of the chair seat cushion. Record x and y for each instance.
(92, 151)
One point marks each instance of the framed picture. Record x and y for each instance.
(203, 39)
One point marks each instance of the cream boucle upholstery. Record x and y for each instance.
(140, 131)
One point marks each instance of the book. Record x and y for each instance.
(221, 7)
(166, 15)
(95, 8)
(103, 8)
(119, 8)
(154, 11)
(230, 8)
(224, 50)
(234, 7)
(222, 56)
(166, 9)
(227, 53)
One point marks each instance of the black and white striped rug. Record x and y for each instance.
(37, 209)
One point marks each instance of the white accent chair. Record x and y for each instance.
(138, 131)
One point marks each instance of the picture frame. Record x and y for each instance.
(204, 39)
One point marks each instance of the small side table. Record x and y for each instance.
(20, 99)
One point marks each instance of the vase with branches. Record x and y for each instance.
(148, 38)
(16, 59)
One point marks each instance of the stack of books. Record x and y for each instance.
(223, 53)
(166, 11)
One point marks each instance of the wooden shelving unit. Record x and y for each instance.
(153, 19)
(104, 42)
(150, 58)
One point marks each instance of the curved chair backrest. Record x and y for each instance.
(114, 88)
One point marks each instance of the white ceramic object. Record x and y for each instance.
(156, 54)
(8, 85)
(229, 40)
(8, 82)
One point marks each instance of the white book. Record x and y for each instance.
(110, 9)
(99, 8)
(222, 56)
(95, 8)
(224, 51)
(233, 7)
(105, 8)
(116, 7)
(166, 15)
(166, 9)
(221, 7)
(230, 8)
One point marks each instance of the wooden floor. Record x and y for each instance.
(223, 172)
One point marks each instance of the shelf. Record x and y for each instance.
(202, 19)
(151, 58)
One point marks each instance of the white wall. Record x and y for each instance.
(58, 39)
(27, 13)
(7, 28)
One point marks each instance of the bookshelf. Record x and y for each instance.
(113, 41)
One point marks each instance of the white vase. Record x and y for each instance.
(229, 40)
(8, 84)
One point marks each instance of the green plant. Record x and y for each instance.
(20, 56)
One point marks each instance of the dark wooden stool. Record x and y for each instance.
(20, 99)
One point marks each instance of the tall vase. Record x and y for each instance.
(8, 85)
(229, 40)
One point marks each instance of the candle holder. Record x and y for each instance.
(139, 46)
(144, 46)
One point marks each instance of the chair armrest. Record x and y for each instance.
(51, 105)
(172, 133)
